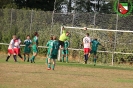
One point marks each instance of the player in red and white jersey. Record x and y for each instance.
(17, 42)
(87, 47)
(16, 46)
(11, 49)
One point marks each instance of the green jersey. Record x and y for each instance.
(35, 40)
(54, 47)
(27, 42)
(35, 44)
(66, 45)
(63, 36)
(49, 43)
(95, 44)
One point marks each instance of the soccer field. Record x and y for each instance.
(65, 75)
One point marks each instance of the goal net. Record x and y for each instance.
(117, 44)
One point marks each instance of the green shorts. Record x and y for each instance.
(93, 52)
(27, 49)
(65, 51)
(53, 56)
(48, 52)
(34, 48)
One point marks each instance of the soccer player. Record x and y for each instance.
(53, 53)
(17, 47)
(63, 37)
(27, 48)
(49, 47)
(95, 44)
(87, 48)
(65, 51)
(11, 49)
(34, 47)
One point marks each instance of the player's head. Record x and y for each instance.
(87, 34)
(67, 33)
(36, 34)
(54, 37)
(18, 37)
(63, 28)
(28, 37)
(51, 38)
(14, 36)
(95, 39)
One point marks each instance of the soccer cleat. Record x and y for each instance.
(85, 62)
(48, 68)
(31, 61)
(22, 59)
(27, 60)
(6, 60)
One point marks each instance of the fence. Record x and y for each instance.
(26, 22)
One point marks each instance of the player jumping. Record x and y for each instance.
(87, 48)
(63, 37)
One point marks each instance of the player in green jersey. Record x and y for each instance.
(63, 37)
(65, 51)
(53, 53)
(34, 47)
(95, 44)
(49, 47)
(27, 48)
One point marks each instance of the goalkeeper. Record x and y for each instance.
(63, 37)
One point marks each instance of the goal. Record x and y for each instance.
(117, 43)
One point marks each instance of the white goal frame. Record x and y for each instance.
(109, 30)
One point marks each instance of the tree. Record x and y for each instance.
(107, 8)
(61, 5)
(45, 5)
(82, 6)
(7, 4)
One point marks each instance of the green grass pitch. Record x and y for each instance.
(66, 75)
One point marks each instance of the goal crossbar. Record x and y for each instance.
(98, 29)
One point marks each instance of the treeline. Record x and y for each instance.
(45, 5)
(67, 6)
